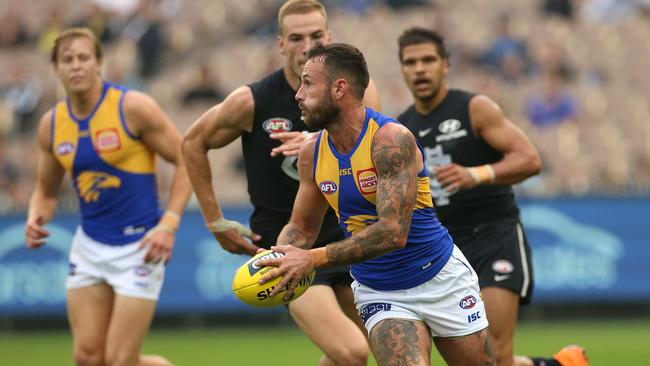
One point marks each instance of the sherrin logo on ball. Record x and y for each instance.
(247, 288)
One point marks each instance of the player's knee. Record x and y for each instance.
(352, 355)
(121, 358)
(84, 356)
(502, 349)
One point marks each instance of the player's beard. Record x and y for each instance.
(323, 115)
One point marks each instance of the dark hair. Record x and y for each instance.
(71, 34)
(418, 35)
(343, 61)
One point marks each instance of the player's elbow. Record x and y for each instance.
(534, 164)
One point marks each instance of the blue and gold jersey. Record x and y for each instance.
(113, 171)
(349, 183)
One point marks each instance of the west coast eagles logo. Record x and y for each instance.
(277, 124)
(90, 184)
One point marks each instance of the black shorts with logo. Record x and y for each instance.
(500, 254)
(330, 276)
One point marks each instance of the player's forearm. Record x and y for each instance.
(379, 238)
(516, 167)
(291, 234)
(180, 190)
(43, 206)
(198, 170)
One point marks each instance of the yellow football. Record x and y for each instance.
(247, 288)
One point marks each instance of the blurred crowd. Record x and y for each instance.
(572, 73)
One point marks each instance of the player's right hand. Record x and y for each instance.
(35, 233)
(230, 235)
(291, 142)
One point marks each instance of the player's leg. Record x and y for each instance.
(89, 300)
(502, 306)
(345, 298)
(397, 341)
(137, 287)
(320, 317)
(129, 325)
(89, 313)
(470, 350)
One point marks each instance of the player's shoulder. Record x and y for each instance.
(138, 102)
(267, 82)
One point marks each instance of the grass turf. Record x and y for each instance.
(607, 342)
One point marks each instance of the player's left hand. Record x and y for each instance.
(160, 243)
(453, 177)
(291, 142)
(295, 265)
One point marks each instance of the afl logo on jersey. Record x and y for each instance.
(449, 126)
(277, 124)
(64, 148)
(367, 180)
(328, 187)
(107, 140)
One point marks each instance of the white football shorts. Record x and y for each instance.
(122, 267)
(450, 303)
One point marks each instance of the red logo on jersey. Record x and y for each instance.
(107, 140)
(367, 180)
(277, 124)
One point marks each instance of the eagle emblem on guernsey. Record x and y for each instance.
(90, 184)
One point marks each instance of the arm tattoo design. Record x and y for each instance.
(393, 156)
(396, 342)
(292, 236)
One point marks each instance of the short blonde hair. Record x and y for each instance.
(299, 7)
(74, 33)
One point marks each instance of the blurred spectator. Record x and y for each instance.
(613, 11)
(550, 103)
(9, 182)
(145, 29)
(559, 8)
(401, 4)
(23, 95)
(97, 20)
(205, 88)
(507, 55)
(13, 31)
(54, 23)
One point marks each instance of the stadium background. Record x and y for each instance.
(573, 74)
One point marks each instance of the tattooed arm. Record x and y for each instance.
(396, 158)
(394, 154)
(309, 207)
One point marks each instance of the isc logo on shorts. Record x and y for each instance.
(371, 309)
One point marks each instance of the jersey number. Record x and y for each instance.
(290, 167)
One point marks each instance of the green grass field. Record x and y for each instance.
(608, 343)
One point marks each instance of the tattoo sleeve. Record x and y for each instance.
(393, 154)
(290, 235)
